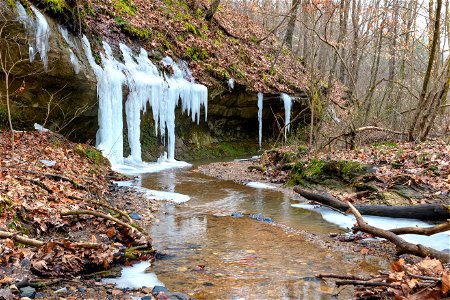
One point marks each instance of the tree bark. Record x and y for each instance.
(212, 10)
(423, 100)
(291, 24)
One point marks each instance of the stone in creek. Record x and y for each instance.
(158, 289)
(146, 298)
(164, 255)
(135, 216)
(237, 215)
(27, 291)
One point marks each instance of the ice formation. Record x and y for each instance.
(260, 108)
(146, 86)
(72, 45)
(38, 29)
(231, 83)
(439, 241)
(135, 277)
(287, 113)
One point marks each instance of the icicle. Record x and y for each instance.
(287, 113)
(75, 62)
(42, 34)
(146, 86)
(260, 108)
(38, 29)
(109, 91)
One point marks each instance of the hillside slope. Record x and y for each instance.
(226, 47)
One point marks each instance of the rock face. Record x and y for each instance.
(63, 97)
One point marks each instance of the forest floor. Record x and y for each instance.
(64, 224)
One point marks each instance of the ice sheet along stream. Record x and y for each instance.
(146, 86)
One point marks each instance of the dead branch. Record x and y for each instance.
(343, 276)
(38, 183)
(423, 212)
(102, 215)
(60, 177)
(365, 283)
(423, 231)
(402, 245)
(37, 243)
(20, 239)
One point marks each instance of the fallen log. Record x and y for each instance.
(434, 212)
(402, 245)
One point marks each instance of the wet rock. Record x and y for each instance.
(27, 291)
(237, 215)
(82, 290)
(135, 216)
(159, 289)
(260, 217)
(163, 255)
(39, 296)
(146, 298)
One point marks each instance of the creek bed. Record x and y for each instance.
(212, 255)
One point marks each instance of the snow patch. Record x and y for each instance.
(438, 241)
(135, 277)
(260, 185)
(231, 83)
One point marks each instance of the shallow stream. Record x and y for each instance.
(216, 256)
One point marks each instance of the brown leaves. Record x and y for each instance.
(425, 280)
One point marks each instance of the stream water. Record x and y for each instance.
(216, 256)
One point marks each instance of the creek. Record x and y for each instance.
(212, 255)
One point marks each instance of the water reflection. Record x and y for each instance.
(242, 258)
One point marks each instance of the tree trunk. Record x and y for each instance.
(291, 25)
(423, 100)
(212, 10)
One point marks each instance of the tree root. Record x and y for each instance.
(402, 245)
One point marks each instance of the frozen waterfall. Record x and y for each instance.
(260, 108)
(146, 86)
(39, 32)
(287, 113)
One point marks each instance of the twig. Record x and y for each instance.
(101, 215)
(365, 283)
(37, 243)
(58, 176)
(342, 276)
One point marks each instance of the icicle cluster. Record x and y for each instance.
(39, 31)
(260, 108)
(72, 45)
(146, 86)
(287, 113)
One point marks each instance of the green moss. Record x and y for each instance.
(318, 171)
(56, 6)
(91, 153)
(139, 33)
(125, 7)
(191, 28)
(389, 144)
(196, 53)
(11, 3)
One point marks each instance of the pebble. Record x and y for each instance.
(116, 292)
(146, 298)
(27, 291)
(135, 216)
